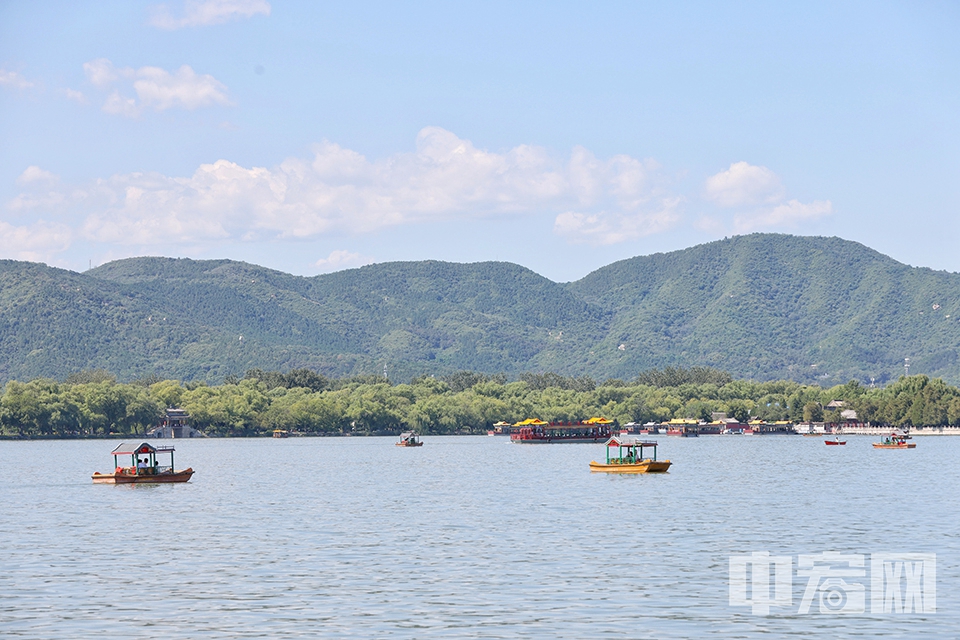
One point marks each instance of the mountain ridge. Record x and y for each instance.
(760, 306)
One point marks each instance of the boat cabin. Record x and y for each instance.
(143, 459)
(409, 439)
(629, 450)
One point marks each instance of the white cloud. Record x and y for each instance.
(37, 242)
(33, 173)
(617, 200)
(206, 12)
(744, 184)
(340, 190)
(786, 214)
(101, 72)
(342, 259)
(13, 80)
(118, 105)
(156, 88)
(162, 90)
(605, 228)
(41, 191)
(76, 96)
(759, 196)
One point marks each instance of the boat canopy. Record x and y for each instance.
(629, 441)
(406, 435)
(131, 448)
(530, 422)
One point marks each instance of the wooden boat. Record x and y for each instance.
(500, 429)
(144, 467)
(536, 431)
(629, 457)
(409, 439)
(834, 442)
(895, 441)
(281, 433)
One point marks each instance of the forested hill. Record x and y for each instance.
(775, 306)
(760, 306)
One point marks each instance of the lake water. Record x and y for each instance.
(464, 537)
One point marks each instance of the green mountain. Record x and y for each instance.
(761, 306)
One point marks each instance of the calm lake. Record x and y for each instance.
(464, 537)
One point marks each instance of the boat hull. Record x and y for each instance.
(906, 445)
(557, 440)
(126, 478)
(834, 442)
(409, 444)
(644, 466)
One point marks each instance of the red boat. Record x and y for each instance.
(144, 467)
(534, 431)
(837, 441)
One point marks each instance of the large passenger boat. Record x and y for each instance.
(535, 431)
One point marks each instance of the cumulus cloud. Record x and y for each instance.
(101, 72)
(36, 242)
(41, 191)
(76, 96)
(34, 173)
(786, 214)
(342, 259)
(617, 200)
(760, 198)
(198, 13)
(155, 88)
(13, 80)
(340, 190)
(744, 184)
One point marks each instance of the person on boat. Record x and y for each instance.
(141, 466)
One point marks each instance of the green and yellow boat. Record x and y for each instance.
(625, 455)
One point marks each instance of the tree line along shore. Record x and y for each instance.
(94, 404)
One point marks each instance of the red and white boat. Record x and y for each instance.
(144, 467)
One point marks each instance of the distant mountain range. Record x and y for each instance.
(761, 306)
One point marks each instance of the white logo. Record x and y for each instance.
(759, 596)
(836, 582)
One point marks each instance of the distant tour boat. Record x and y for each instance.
(536, 431)
(500, 429)
(409, 439)
(895, 441)
(628, 457)
(144, 467)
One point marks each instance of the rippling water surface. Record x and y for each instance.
(463, 537)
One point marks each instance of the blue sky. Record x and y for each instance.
(310, 137)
